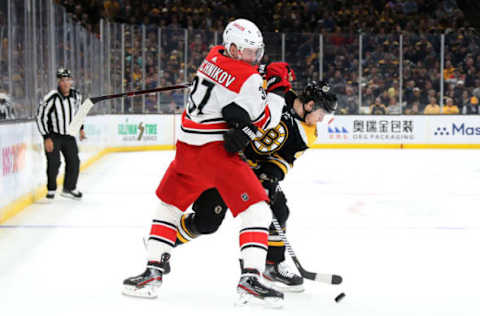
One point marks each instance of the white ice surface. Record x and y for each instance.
(401, 226)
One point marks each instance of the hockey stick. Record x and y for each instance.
(319, 277)
(83, 110)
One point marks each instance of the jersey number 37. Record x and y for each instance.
(191, 105)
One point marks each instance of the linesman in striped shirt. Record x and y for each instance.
(55, 113)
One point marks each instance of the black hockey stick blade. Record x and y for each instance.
(319, 277)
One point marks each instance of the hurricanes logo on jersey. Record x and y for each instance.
(271, 140)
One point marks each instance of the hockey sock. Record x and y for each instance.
(163, 233)
(276, 246)
(254, 235)
(186, 229)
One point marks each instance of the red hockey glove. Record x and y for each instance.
(279, 76)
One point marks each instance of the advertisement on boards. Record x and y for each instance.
(22, 165)
(369, 129)
(455, 130)
(131, 130)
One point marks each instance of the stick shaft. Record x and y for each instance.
(138, 92)
(319, 277)
(82, 112)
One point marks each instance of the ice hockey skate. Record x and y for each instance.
(50, 197)
(146, 284)
(252, 290)
(278, 276)
(72, 194)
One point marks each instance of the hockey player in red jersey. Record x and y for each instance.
(225, 109)
(271, 156)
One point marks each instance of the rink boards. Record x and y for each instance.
(23, 165)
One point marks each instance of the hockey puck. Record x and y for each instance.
(339, 297)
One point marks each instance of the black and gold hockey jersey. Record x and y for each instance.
(279, 147)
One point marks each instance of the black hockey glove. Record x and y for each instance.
(237, 138)
(270, 175)
(271, 186)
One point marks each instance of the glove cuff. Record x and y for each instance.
(251, 131)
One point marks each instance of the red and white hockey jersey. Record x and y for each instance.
(221, 80)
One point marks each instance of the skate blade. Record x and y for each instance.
(67, 196)
(247, 299)
(145, 292)
(279, 286)
(45, 201)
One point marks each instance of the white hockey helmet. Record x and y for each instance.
(247, 38)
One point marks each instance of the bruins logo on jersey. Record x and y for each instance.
(272, 140)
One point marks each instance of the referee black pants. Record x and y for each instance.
(67, 145)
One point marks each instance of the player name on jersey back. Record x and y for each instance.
(216, 73)
(221, 80)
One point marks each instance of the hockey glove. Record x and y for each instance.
(271, 186)
(270, 175)
(236, 139)
(279, 76)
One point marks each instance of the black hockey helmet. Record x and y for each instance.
(63, 73)
(319, 92)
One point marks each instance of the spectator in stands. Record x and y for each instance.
(464, 100)
(409, 96)
(347, 103)
(111, 8)
(393, 106)
(448, 71)
(337, 82)
(418, 97)
(198, 45)
(378, 108)
(167, 103)
(385, 97)
(428, 86)
(432, 107)
(471, 107)
(178, 98)
(414, 109)
(470, 71)
(476, 93)
(151, 81)
(449, 107)
(368, 98)
(151, 103)
(453, 92)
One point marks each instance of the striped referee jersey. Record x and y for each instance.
(56, 111)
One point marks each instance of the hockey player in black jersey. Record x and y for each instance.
(271, 156)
